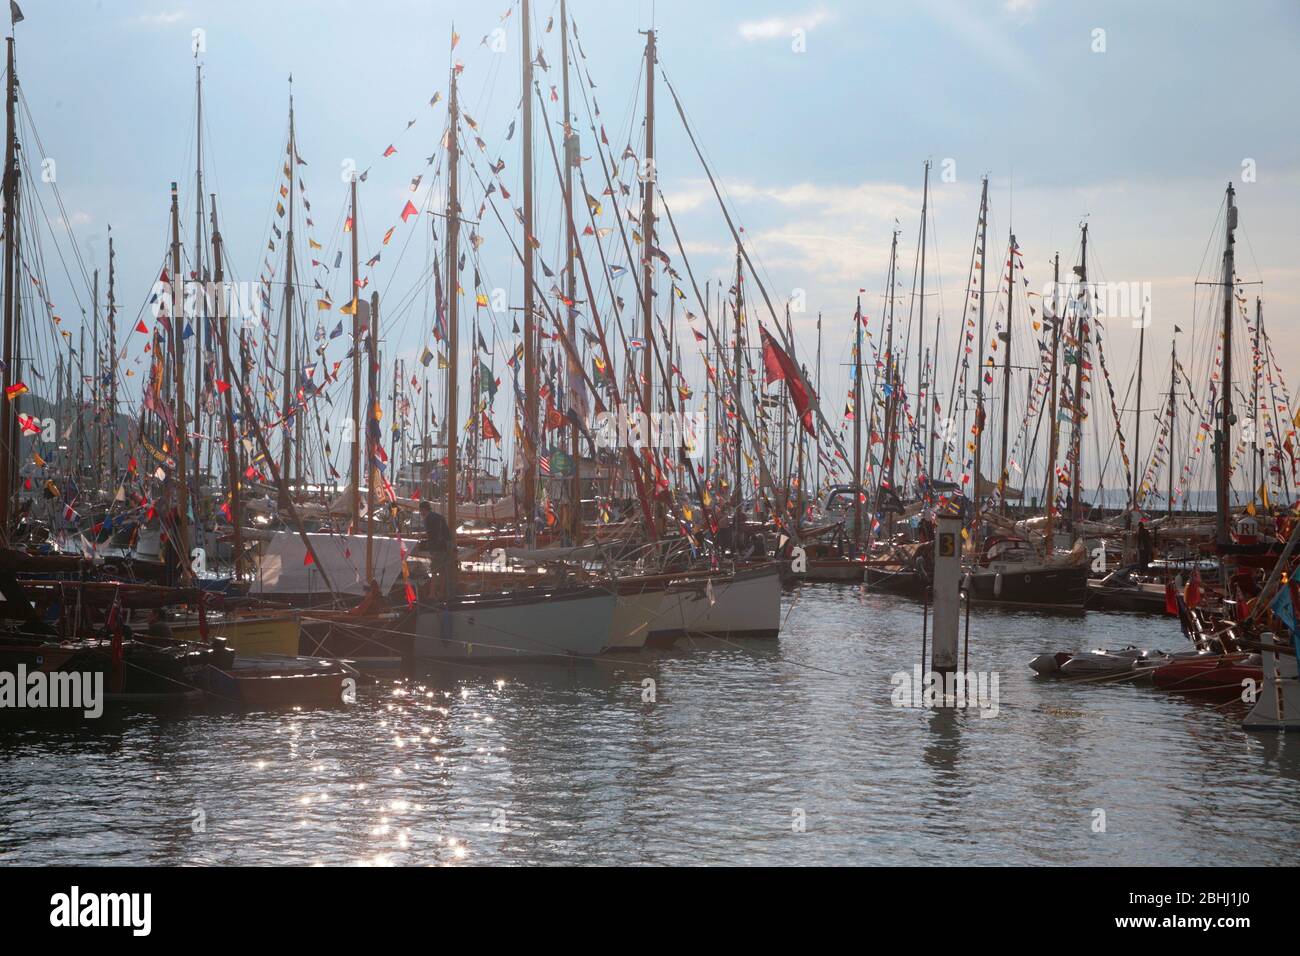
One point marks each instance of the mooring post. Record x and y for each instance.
(947, 595)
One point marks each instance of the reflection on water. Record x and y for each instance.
(784, 752)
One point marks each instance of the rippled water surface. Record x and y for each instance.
(742, 746)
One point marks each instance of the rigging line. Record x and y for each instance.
(780, 331)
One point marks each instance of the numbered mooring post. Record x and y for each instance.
(947, 595)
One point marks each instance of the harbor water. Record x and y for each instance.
(789, 751)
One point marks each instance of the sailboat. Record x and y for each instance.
(529, 623)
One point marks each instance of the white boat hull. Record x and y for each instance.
(636, 616)
(535, 625)
(744, 604)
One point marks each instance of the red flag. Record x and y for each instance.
(308, 559)
(141, 327)
(1171, 599)
(1192, 595)
(780, 367)
(490, 430)
(222, 387)
(409, 210)
(390, 150)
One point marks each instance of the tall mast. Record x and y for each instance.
(648, 177)
(94, 381)
(1137, 425)
(891, 380)
(1006, 373)
(1082, 303)
(819, 391)
(178, 386)
(374, 438)
(530, 327)
(1054, 427)
(112, 362)
(737, 355)
(233, 475)
(571, 158)
(1258, 456)
(857, 425)
(924, 401)
(1226, 418)
(200, 301)
(9, 466)
(291, 423)
(1173, 380)
(979, 379)
(80, 455)
(359, 430)
(451, 419)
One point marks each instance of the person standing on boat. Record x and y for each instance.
(437, 539)
(1145, 546)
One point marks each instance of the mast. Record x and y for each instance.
(374, 438)
(857, 425)
(736, 370)
(178, 386)
(819, 391)
(8, 468)
(200, 301)
(529, 503)
(354, 475)
(572, 157)
(1226, 418)
(1137, 425)
(233, 475)
(891, 380)
(291, 423)
(1081, 340)
(1258, 457)
(648, 177)
(979, 379)
(1173, 380)
(1054, 428)
(94, 381)
(451, 418)
(925, 402)
(112, 360)
(1006, 373)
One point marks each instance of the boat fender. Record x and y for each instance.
(997, 584)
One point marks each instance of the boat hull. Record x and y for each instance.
(637, 614)
(266, 683)
(541, 625)
(743, 604)
(250, 637)
(1042, 588)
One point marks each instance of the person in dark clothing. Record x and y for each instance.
(1146, 547)
(437, 536)
(437, 539)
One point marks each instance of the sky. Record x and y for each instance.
(817, 118)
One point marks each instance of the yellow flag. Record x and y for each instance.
(350, 308)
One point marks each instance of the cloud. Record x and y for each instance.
(1022, 7)
(773, 27)
(163, 19)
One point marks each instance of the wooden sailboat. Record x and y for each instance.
(534, 623)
